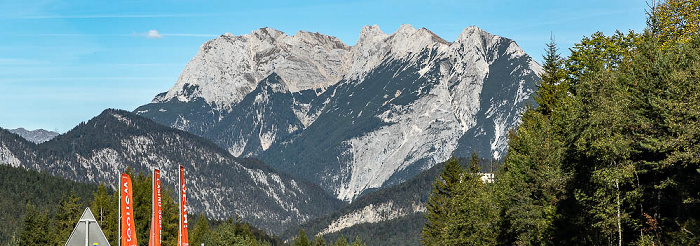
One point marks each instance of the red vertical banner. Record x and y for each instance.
(157, 215)
(182, 239)
(126, 216)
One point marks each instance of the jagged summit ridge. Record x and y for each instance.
(228, 67)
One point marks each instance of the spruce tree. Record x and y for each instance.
(199, 230)
(474, 219)
(318, 241)
(104, 207)
(69, 211)
(143, 206)
(439, 205)
(341, 241)
(302, 239)
(553, 87)
(358, 242)
(170, 216)
(36, 229)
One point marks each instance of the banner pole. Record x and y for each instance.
(151, 239)
(179, 204)
(119, 218)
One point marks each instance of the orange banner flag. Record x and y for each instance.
(157, 217)
(182, 239)
(126, 212)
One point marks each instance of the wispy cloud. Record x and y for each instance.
(153, 34)
(69, 79)
(189, 35)
(113, 16)
(69, 35)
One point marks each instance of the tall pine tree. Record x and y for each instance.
(474, 219)
(553, 88)
(439, 206)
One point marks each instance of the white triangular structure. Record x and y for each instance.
(87, 232)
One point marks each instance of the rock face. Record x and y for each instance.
(219, 184)
(398, 209)
(352, 118)
(36, 136)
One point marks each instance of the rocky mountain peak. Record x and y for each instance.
(406, 29)
(36, 136)
(267, 33)
(408, 100)
(370, 34)
(473, 37)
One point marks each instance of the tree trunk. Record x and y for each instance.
(619, 222)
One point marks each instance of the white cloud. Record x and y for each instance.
(153, 34)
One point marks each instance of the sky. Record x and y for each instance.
(64, 62)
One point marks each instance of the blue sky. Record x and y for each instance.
(63, 62)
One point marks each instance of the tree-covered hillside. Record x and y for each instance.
(24, 190)
(43, 210)
(610, 156)
(222, 186)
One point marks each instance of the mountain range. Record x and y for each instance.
(352, 119)
(280, 129)
(220, 185)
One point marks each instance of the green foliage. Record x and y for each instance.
(236, 232)
(341, 241)
(63, 155)
(104, 206)
(54, 220)
(44, 192)
(225, 234)
(439, 208)
(674, 20)
(69, 211)
(532, 182)
(199, 230)
(302, 239)
(462, 208)
(318, 241)
(610, 160)
(553, 87)
(37, 228)
(472, 220)
(609, 157)
(358, 242)
(170, 216)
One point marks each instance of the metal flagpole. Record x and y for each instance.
(179, 199)
(153, 206)
(87, 230)
(119, 218)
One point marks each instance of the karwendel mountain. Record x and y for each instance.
(352, 118)
(36, 136)
(219, 185)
